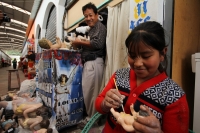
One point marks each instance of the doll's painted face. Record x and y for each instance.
(145, 60)
(63, 79)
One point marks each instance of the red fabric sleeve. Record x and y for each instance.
(102, 95)
(176, 117)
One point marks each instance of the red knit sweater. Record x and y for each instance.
(171, 109)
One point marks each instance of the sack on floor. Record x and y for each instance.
(27, 86)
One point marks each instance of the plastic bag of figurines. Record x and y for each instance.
(30, 113)
(39, 124)
(27, 86)
(33, 117)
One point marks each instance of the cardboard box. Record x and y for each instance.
(53, 68)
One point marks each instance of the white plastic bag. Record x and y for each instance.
(27, 86)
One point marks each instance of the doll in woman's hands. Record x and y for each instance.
(143, 121)
(125, 120)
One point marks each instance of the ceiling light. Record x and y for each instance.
(7, 24)
(12, 40)
(16, 8)
(13, 29)
(12, 34)
(2, 39)
(18, 22)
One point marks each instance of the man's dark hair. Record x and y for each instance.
(90, 6)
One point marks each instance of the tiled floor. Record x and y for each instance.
(14, 84)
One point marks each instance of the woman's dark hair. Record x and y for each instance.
(149, 33)
(89, 6)
(60, 78)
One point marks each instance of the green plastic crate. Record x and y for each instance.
(190, 131)
(91, 122)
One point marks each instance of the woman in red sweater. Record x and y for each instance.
(146, 86)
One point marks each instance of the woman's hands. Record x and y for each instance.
(113, 99)
(138, 123)
(149, 124)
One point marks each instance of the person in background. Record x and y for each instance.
(145, 86)
(2, 62)
(1, 17)
(14, 63)
(31, 65)
(93, 54)
(25, 63)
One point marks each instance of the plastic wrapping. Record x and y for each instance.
(27, 86)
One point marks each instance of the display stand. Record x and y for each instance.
(66, 100)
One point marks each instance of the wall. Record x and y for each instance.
(77, 9)
(186, 42)
(42, 15)
(168, 26)
(74, 20)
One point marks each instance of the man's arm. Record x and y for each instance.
(77, 43)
